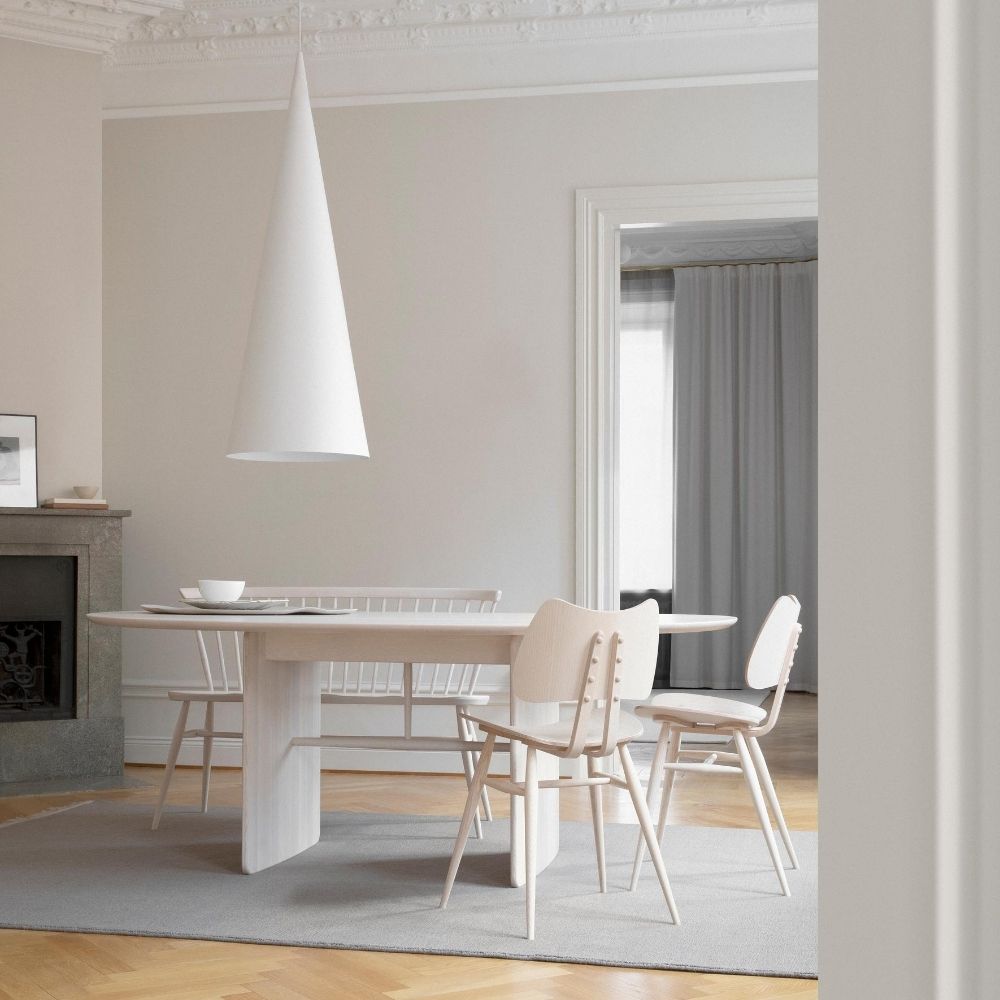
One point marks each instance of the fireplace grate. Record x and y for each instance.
(30, 660)
(38, 621)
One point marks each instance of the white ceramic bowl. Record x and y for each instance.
(86, 492)
(221, 590)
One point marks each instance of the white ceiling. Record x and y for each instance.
(166, 56)
(766, 239)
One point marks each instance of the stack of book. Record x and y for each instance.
(75, 503)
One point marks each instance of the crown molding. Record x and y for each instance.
(223, 55)
(85, 25)
(251, 29)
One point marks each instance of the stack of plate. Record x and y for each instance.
(203, 605)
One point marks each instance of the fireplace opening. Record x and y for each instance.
(37, 638)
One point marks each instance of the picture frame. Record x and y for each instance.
(18, 460)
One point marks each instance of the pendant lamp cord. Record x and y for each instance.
(300, 27)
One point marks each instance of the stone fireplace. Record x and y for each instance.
(60, 680)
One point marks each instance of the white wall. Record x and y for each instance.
(455, 232)
(50, 256)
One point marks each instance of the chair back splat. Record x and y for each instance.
(767, 656)
(773, 653)
(222, 673)
(592, 658)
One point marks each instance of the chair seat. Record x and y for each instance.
(347, 698)
(556, 735)
(203, 694)
(704, 709)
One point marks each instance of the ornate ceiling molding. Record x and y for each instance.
(195, 56)
(88, 25)
(225, 55)
(252, 29)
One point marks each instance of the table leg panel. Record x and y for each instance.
(281, 783)
(524, 713)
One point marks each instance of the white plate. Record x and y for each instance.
(204, 605)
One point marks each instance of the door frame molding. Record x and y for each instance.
(601, 213)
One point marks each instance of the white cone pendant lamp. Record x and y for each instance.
(298, 397)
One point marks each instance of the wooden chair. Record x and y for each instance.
(593, 659)
(404, 684)
(769, 664)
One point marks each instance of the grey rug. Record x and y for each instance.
(373, 883)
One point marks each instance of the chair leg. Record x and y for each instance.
(772, 797)
(656, 776)
(469, 767)
(471, 803)
(175, 749)
(597, 814)
(669, 776)
(530, 835)
(485, 795)
(206, 754)
(750, 775)
(646, 823)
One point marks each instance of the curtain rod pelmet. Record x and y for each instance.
(716, 263)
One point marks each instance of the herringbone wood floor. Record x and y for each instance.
(36, 965)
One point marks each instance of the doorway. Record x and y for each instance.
(725, 460)
(631, 243)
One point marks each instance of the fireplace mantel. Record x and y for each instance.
(89, 745)
(50, 512)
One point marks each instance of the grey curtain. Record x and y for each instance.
(745, 392)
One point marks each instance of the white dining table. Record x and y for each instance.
(284, 658)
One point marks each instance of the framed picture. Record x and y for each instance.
(18, 461)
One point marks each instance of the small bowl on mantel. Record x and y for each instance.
(86, 492)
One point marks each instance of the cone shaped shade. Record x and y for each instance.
(298, 397)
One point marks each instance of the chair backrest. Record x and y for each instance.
(222, 673)
(358, 678)
(593, 658)
(769, 656)
(773, 653)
